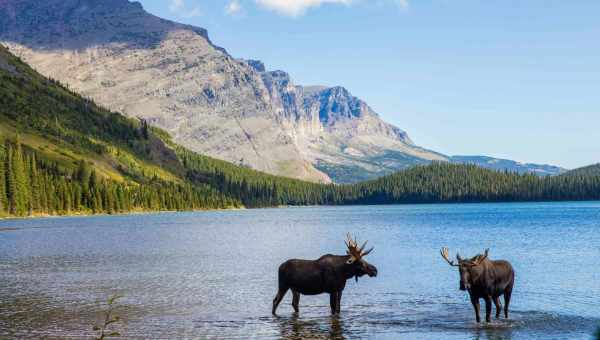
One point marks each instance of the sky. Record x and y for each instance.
(512, 79)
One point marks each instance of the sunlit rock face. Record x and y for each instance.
(172, 75)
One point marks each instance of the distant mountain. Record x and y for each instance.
(590, 170)
(172, 75)
(505, 164)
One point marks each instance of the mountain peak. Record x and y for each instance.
(80, 24)
(257, 65)
(173, 76)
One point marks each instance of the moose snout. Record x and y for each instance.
(372, 271)
(465, 286)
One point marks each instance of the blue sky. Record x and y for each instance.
(513, 78)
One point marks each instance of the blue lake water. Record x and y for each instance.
(214, 274)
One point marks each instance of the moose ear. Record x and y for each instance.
(351, 260)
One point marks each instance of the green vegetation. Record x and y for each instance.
(444, 182)
(42, 188)
(108, 320)
(434, 183)
(589, 171)
(62, 154)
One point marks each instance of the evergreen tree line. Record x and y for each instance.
(434, 183)
(590, 170)
(444, 182)
(32, 187)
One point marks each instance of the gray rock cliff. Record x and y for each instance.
(172, 74)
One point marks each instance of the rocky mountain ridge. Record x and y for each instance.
(173, 76)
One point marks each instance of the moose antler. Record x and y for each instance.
(353, 249)
(444, 253)
(480, 258)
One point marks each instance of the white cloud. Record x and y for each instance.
(296, 7)
(402, 3)
(233, 7)
(179, 7)
(176, 5)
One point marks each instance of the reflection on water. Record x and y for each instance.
(214, 275)
(492, 333)
(295, 328)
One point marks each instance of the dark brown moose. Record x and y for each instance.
(485, 279)
(328, 274)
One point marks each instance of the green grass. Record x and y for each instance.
(64, 128)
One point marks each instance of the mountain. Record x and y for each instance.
(62, 154)
(589, 171)
(508, 165)
(173, 76)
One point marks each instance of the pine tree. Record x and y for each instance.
(83, 172)
(11, 186)
(19, 185)
(3, 198)
(145, 128)
(34, 180)
(93, 182)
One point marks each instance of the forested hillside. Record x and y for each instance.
(443, 182)
(590, 170)
(435, 183)
(32, 187)
(62, 154)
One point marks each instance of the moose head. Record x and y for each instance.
(356, 263)
(467, 268)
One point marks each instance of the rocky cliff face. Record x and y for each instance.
(175, 77)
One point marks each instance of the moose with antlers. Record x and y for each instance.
(485, 279)
(328, 274)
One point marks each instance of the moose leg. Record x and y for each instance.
(498, 306)
(296, 301)
(338, 303)
(278, 298)
(475, 302)
(332, 302)
(507, 295)
(488, 308)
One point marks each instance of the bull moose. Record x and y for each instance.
(485, 279)
(328, 274)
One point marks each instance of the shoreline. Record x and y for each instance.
(153, 212)
(136, 212)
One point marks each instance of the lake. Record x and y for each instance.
(214, 274)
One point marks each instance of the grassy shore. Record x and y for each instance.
(89, 214)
